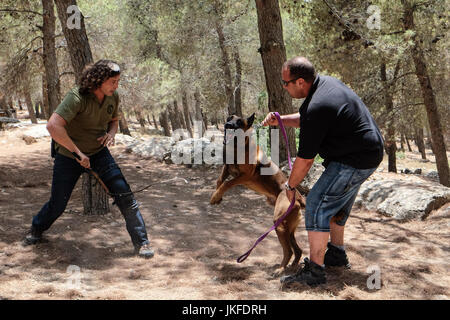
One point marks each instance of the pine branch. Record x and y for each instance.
(348, 25)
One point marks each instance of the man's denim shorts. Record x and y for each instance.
(335, 191)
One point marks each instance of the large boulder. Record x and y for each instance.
(403, 198)
(158, 148)
(125, 140)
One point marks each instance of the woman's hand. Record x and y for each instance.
(107, 140)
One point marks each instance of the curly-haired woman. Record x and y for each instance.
(83, 126)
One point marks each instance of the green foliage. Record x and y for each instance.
(318, 159)
(400, 155)
(167, 47)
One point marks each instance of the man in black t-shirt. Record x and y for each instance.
(335, 124)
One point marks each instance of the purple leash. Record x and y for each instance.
(278, 222)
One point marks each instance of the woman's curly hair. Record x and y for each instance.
(95, 74)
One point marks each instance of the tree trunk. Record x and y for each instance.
(429, 140)
(123, 124)
(9, 104)
(238, 84)
(225, 66)
(92, 204)
(187, 120)
(139, 117)
(402, 142)
(154, 122)
(390, 145)
(407, 143)
(164, 122)
(180, 115)
(77, 40)
(29, 103)
(45, 97)
(198, 115)
(205, 120)
(173, 117)
(3, 103)
(81, 55)
(428, 98)
(418, 137)
(49, 56)
(36, 111)
(273, 54)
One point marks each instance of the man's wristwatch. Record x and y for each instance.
(288, 187)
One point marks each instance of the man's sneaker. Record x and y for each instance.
(335, 257)
(33, 237)
(145, 251)
(312, 274)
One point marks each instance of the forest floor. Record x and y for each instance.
(196, 244)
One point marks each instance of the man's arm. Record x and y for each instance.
(55, 127)
(289, 120)
(298, 173)
(299, 170)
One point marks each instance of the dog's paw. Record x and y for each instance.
(215, 199)
(279, 272)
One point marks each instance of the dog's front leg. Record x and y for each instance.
(225, 173)
(217, 196)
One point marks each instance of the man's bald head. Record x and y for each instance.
(300, 67)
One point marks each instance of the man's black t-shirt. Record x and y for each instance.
(337, 125)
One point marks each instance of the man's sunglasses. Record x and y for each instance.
(285, 83)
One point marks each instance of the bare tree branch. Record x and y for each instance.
(20, 11)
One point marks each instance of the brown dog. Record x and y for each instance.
(272, 186)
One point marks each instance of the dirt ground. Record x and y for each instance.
(196, 244)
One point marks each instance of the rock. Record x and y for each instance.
(35, 132)
(433, 175)
(29, 140)
(133, 275)
(418, 171)
(123, 139)
(4, 121)
(402, 199)
(156, 148)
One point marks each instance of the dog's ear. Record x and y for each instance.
(250, 120)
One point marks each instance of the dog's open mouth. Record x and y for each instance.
(228, 136)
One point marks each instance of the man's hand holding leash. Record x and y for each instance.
(270, 120)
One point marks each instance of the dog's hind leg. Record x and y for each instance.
(283, 237)
(296, 248)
